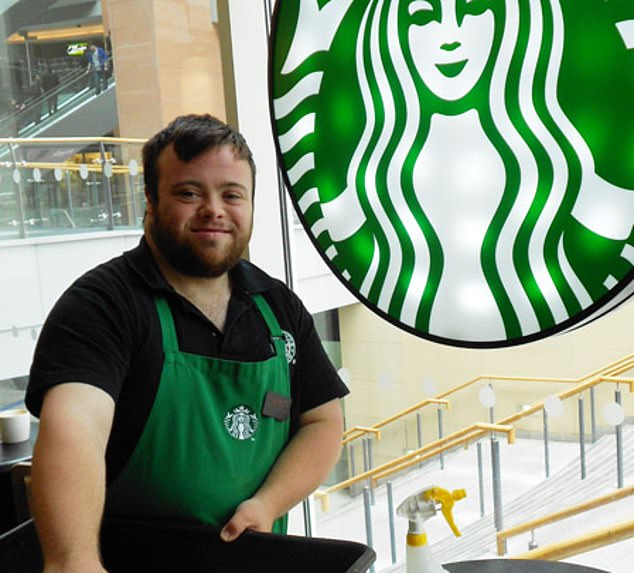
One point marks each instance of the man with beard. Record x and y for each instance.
(178, 381)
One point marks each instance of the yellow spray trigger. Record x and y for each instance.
(446, 500)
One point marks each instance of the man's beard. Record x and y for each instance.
(184, 259)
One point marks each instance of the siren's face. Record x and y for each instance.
(450, 43)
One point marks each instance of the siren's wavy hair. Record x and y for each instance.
(533, 275)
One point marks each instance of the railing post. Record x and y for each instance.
(582, 438)
(307, 508)
(546, 443)
(619, 444)
(367, 463)
(419, 432)
(441, 457)
(105, 182)
(352, 468)
(366, 460)
(532, 544)
(497, 484)
(480, 477)
(132, 184)
(69, 196)
(419, 429)
(17, 179)
(593, 415)
(367, 511)
(371, 460)
(390, 514)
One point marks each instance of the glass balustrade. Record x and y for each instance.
(69, 185)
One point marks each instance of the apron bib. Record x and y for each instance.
(206, 446)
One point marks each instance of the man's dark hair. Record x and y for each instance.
(190, 135)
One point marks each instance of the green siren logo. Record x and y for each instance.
(241, 423)
(466, 167)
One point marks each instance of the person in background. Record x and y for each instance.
(15, 120)
(50, 82)
(98, 65)
(34, 101)
(179, 381)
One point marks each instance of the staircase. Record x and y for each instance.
(565, 488)
(526, 494)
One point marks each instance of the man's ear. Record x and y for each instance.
(148, 202)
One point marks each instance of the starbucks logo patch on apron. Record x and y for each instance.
(289, 346)
(241, 422)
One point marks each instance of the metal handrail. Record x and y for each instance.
(374, 429)
(358, 431)
(57, 140)
(628, 360)
(582, 543)
(581, 387)
(504, 535)
(77, 80)
(622, 364)
(461, 437)
(472, 433)
(371, 477)
(91, 167)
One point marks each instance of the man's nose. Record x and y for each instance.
(212, 206)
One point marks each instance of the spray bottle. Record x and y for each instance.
(418, 508)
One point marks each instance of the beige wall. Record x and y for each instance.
(167, 62)
(391, 370)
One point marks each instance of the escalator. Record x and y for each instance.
(80, 112)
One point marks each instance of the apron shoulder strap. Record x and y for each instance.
(279, 342)
(268, 315)
(170, 340)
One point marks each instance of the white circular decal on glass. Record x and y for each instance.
(457, 163)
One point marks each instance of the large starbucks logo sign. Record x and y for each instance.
(466, 167)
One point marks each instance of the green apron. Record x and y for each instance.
(206, 446)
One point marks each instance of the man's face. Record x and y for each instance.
(203, 219)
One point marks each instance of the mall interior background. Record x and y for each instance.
(169, 58)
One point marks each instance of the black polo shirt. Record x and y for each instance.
(105, 331)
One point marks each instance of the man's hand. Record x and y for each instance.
(251, 514)
(302, 466)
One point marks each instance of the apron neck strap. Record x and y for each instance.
(277, 336)
(170, 340)
(268, 315)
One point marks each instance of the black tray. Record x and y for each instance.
(157, 547)
(517, 566)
